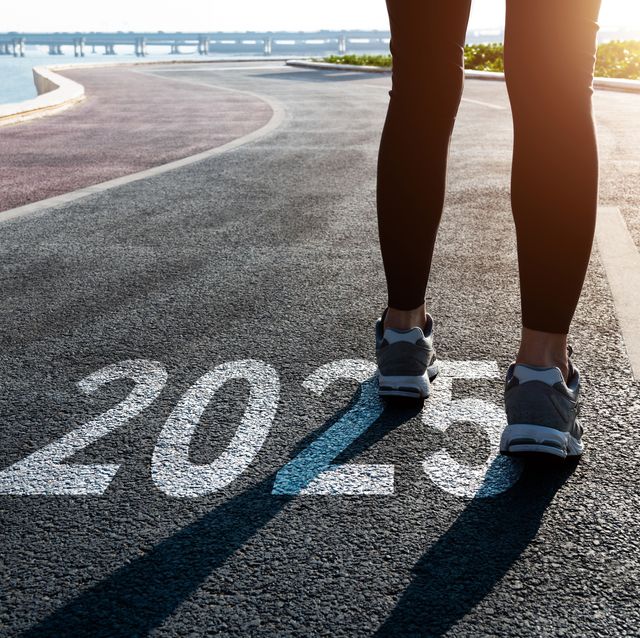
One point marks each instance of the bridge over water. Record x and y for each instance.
(205, 43)
(280, 42)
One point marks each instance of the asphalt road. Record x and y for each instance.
(193, 354)
(127, 123)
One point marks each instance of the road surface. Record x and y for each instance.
(191, 441)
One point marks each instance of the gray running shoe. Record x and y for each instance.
(542, 412)
(406, 360)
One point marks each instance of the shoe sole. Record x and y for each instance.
(408, 386)
(527, 440)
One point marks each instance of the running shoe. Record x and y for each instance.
(406, 360)
(542, 410)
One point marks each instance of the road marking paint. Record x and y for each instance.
(171, 469)
(621, 260)
(278, 117)
(42, 473)
(312, 471)
(464, 99)
(487, 104)
(226, 68)
(498, 473)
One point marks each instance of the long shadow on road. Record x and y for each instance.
(454, 575)
(141, 595)
(474, 554)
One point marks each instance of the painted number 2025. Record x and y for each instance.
(311, 472)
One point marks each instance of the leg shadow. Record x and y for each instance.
(141, 595)
(464, 565)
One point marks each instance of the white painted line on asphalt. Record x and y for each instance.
(487, 104)
(228, 68)
(279, 115)
(621, 260)
(464, 99)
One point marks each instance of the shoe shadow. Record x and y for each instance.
(139, 596)
(465, 564)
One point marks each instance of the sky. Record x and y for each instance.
(246, 15)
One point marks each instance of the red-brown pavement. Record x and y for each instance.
(129, 122)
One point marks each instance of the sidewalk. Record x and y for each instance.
(129, 122)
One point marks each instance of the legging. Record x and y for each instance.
(550, 48)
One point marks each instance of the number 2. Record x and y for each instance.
(311, 472)
(43, 473)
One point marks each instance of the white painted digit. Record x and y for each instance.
(171, 469)
(43, 472)
(311, 472)
(498, 473)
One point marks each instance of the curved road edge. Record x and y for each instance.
(278, 117)
(610, 84)
(55, 93)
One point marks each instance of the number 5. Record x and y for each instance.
(498, 473)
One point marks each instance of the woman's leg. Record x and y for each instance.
(427, 45)
(550, 49)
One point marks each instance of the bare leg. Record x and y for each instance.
(545, 349)
(405, 319)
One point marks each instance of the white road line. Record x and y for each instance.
(279, 116)
(464, 99)
(227, 68)
(487, 104)
(621, 260)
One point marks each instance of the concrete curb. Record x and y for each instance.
(57, 93)
(609, 84)
(279, 116)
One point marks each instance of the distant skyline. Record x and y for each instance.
(247, 15)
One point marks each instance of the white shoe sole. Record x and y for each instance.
(525, 439)
(410, 386)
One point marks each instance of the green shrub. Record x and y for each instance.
(615, 59)
(363, 60)
(619, 59)
(484, 57)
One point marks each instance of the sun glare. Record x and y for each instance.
(623, 13)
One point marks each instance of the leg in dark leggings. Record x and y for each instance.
(427, 45)
(550, 49)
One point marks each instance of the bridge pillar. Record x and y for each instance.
(18, 47)
(267, 45)
(342, 44)
(109, 49)
(78, 47)
(203, 45)
(140, 47)
(59, 49)
(175, 48)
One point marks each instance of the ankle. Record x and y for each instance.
(405, 319)
(545, 349)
